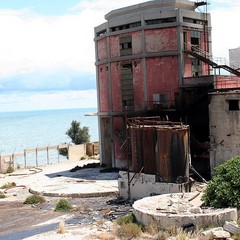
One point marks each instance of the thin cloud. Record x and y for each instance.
(47, 100)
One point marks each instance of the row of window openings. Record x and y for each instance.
(151, 22)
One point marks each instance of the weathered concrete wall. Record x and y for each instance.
(6, 164)
(145, 185)
(224, 128)
(75, 152)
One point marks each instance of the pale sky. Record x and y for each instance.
(47, 51)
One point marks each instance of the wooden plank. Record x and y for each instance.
(18, 155)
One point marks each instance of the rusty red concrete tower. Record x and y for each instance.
(144, 61)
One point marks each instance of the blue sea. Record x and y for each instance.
(42, 128)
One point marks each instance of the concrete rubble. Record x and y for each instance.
(179, 210)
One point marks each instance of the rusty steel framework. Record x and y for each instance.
(158, 147)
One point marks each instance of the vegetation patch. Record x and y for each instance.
(224, 189)
(8, 185)
(63, 205)
(129, 218)
(34, 199)
(129, 231)
(78, 134)
(10, 169)
(236, 236)
(2, 195)
(128, 227)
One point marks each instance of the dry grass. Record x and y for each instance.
(8, 185)
(129, 231)
(61, 228)
(236, 236)
(104, 236)
(151, 229)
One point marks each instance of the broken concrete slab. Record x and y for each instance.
(231, 227)
(220, 234)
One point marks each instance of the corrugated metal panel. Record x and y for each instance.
(161, 148)
(149, 148)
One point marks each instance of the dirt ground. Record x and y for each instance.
(19, 221)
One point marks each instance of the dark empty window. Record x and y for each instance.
(127, 85)
(195, 38)
(160, 21)
(125, 45)
(233, 105)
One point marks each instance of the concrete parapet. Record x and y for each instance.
(156, 210)
(144, 185)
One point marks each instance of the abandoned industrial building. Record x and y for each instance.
(162, 103)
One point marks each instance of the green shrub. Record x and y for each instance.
(63, 205)
(2, 195)
(10, 169)
(34, 199)
(224, 188)
(8, 185)
(129, 218)
(129, 231)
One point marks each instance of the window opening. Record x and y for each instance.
(233, 105)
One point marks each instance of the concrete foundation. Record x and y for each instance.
(144, 185)
(179, 210)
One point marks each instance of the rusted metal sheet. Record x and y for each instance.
(149, 147)
(161, 148)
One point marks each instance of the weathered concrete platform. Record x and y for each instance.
(180, 209)
(57, 181)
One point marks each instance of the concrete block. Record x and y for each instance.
(220, 234)
(209, 233)
(231, 227)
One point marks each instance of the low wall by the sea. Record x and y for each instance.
(39, 156)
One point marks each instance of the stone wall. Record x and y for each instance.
(224, 117)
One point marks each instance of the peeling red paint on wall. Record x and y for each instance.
(138, 84)
(103, 88)
(136, 42)
(188, 67)
(227, 82)
(162, 75)
(158, 40)
(114, 46)
(102, 49)
(116, 87)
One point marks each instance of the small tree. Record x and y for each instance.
(77, 134)
(224, 188)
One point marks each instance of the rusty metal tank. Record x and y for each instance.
(160, 148)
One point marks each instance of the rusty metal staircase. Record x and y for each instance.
(206, 57)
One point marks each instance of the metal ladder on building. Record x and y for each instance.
(206, 57)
